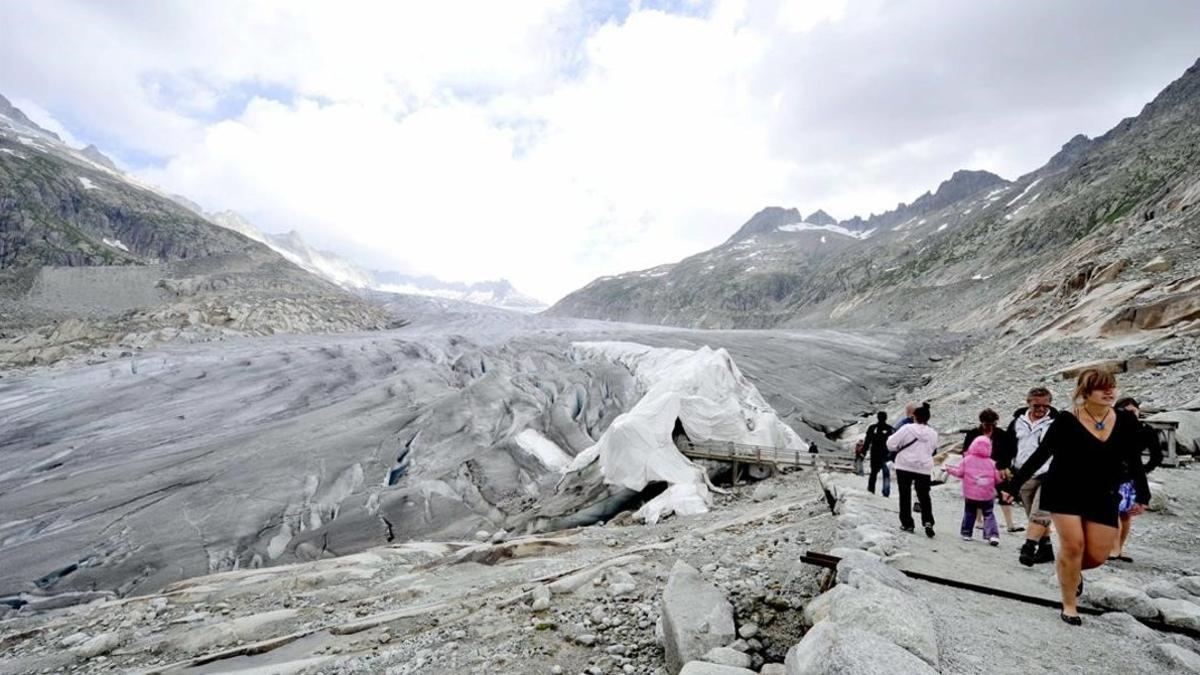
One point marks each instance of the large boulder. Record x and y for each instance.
(817, 609)
(1179, 613)
(832, 648)
(1190, 584)
(1112, 594)
(696, 617)
(727, 656)
(867, 563)
(1179, 659)
(97, 646)
(1161, 588)
(890, 613)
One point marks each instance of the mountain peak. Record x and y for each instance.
(1185, 89)
(960, 185)
(819, 217)
(1070, 151)
(93, 153)
(12, 112)
(768, 220)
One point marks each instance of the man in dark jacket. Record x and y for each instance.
(876, 444)
(1149, 441)
(1004, 448)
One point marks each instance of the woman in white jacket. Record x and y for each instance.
(914, 445)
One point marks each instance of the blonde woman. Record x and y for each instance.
(1091, 447)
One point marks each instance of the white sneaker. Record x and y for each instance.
(994, 541)
(966, 538)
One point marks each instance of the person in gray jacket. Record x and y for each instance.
(1029, 425)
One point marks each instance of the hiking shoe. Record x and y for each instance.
(1045, 554)
(1028, 553)
(928, 530)
(994, 541)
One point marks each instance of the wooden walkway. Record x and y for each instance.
(740, 454)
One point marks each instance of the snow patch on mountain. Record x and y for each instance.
(1024, 192)
(836, 229)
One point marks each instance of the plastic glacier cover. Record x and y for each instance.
(708, 394)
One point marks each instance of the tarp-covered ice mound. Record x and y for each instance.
(707, 393)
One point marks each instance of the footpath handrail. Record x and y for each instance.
(729, 451)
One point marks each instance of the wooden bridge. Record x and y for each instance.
(742, 454)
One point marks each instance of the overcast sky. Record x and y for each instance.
(554, 142)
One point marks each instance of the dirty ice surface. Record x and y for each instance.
(186, 459)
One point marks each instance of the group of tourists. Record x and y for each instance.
(1077, 472)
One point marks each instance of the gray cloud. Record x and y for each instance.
(617, 139)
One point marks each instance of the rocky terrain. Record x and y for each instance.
(722, 592)
(94, 264)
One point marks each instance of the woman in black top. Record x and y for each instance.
(1091, 449)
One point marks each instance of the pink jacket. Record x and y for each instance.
(978, 471)
(916, 444)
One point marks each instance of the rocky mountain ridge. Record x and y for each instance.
(1116, 203)
(93, 263)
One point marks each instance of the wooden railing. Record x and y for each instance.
(763, 455)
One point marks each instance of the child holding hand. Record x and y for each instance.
(979, 479)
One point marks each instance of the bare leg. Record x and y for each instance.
(1098, 543)
(1036, 531)
(1071, 544)
(1006, 509)
(1126, 527)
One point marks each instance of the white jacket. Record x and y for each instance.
(1029, 436)
(919, 442)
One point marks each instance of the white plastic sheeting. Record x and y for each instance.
(707, 393)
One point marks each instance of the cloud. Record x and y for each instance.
(554, 142)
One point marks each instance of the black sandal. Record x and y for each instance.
(1070, 620)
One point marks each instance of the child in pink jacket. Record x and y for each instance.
(979, 479)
